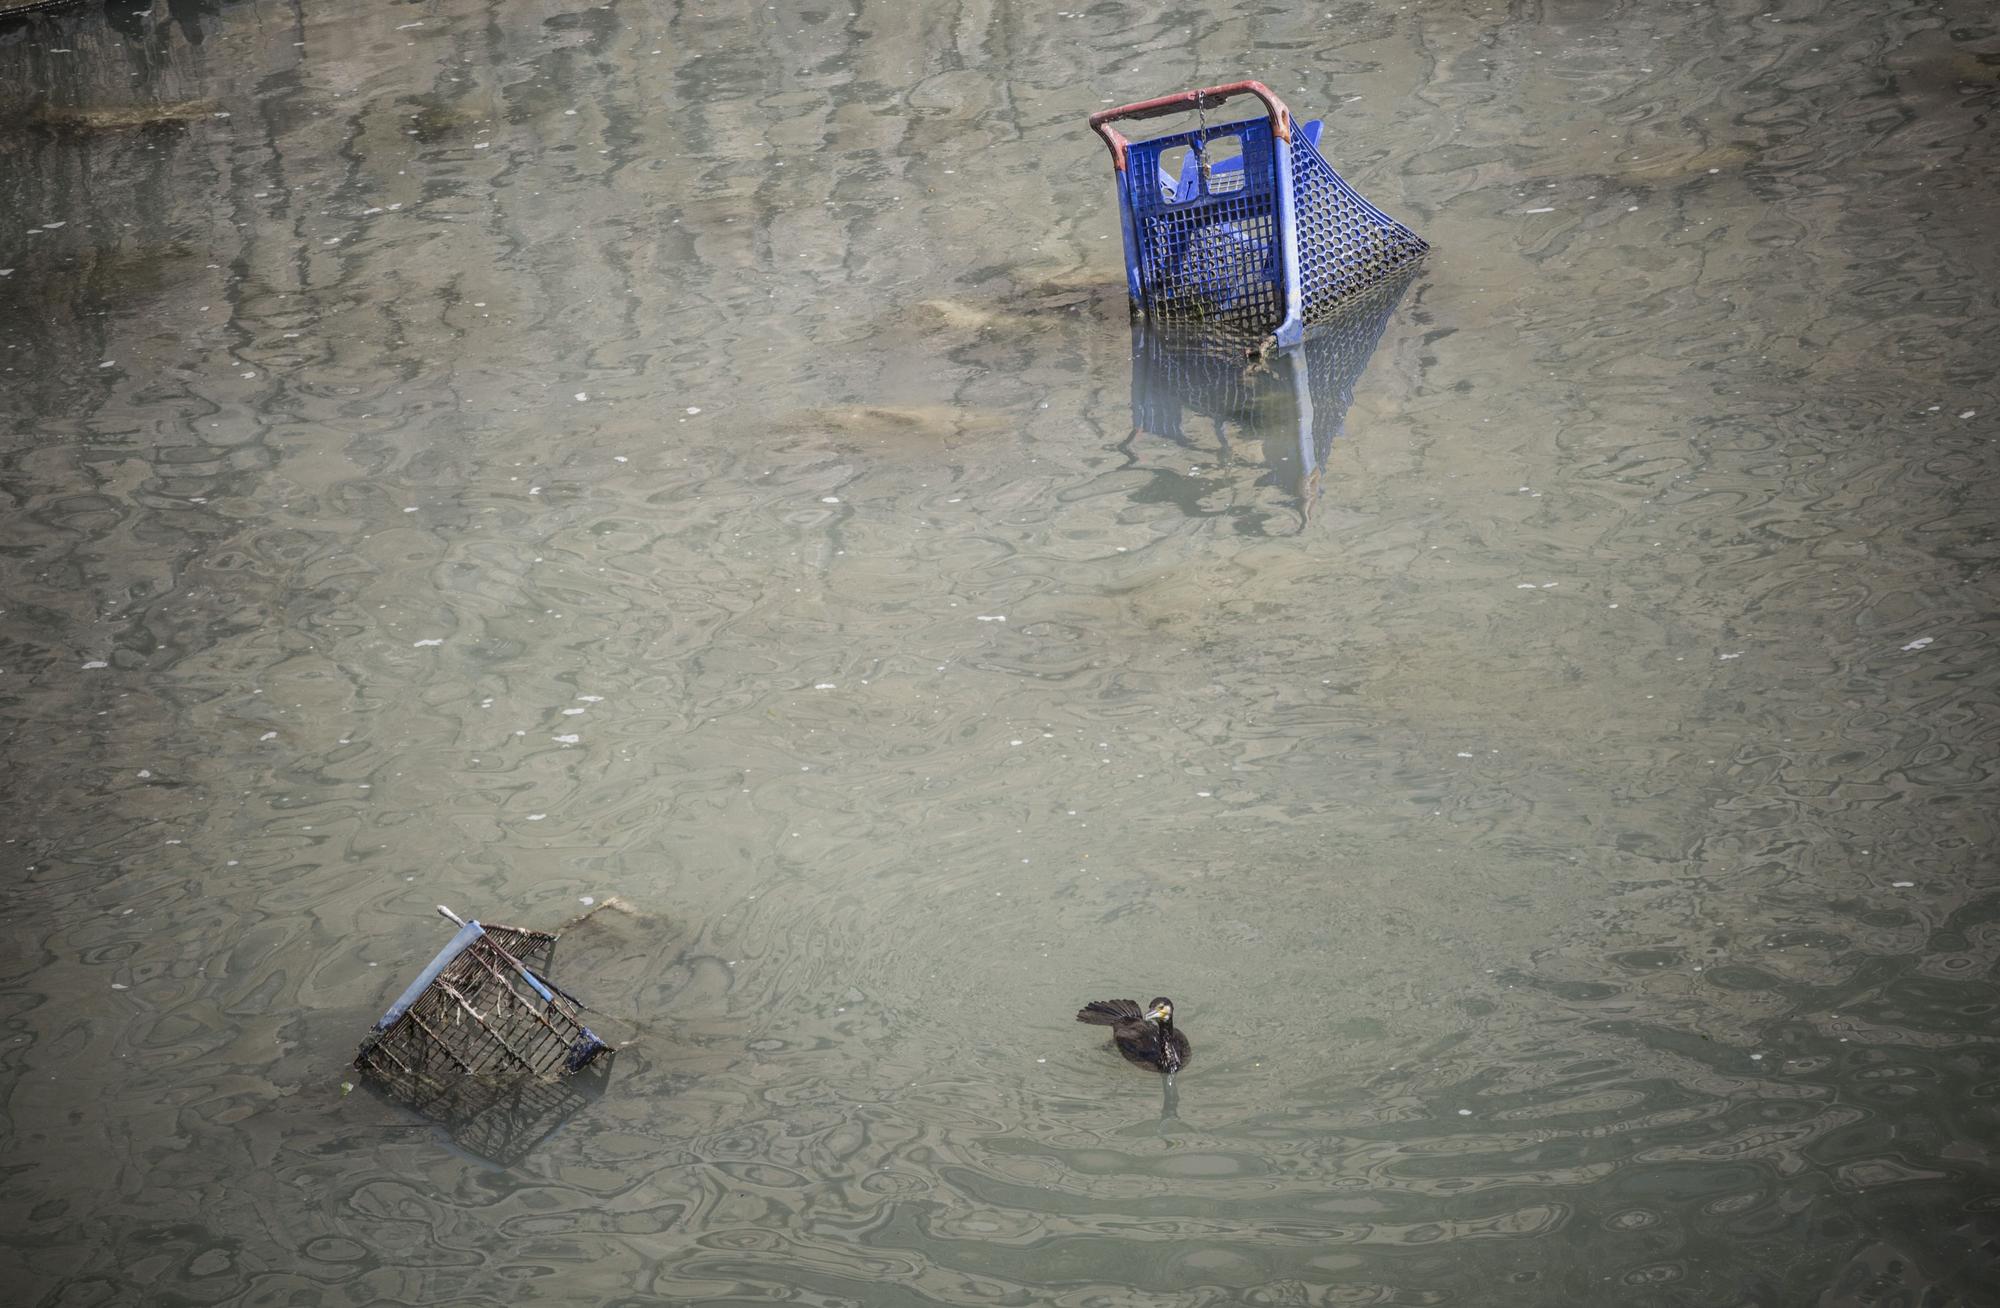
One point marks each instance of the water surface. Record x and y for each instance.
(504, 455)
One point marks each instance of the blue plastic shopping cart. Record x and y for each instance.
(1253, 230)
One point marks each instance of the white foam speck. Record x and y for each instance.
(825, 685)
(829, 499)
(694, 408)
(411, 509)
(95, 663)
(145, 772)
(1902, 885)
(1465, 1112)
(1724, 657)
(269, 735)
(991, 617)
(1538, 211)
(1919, 642)
(585, 900)
(1524, 585)
(1969, 413)
(116, 986)
(536, 817)
(581, 396)
(108, 363)
(566, 740)
(571, 712)
(1463, 754)
(591, 699)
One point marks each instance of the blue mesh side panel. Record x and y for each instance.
(1213, 256)
(1345, 243)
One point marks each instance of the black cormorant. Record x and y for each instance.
(1145, 1036)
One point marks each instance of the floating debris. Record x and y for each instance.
(122, 118)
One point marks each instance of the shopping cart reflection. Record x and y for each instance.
(1215, 392)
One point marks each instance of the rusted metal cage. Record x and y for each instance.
(481, 1008)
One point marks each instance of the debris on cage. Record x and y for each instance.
(484, 1008)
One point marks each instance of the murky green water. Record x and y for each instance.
(509, 454)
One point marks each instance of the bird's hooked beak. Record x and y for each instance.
(1160, 1013)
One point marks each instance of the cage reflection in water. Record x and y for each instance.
(499, 1120)
(1204, 389)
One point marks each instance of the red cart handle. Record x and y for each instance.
(1281, 117)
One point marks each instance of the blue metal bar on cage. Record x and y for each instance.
(460, 942)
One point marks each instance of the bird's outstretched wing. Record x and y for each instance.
(1110, 1012)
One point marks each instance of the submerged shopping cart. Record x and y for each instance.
(482, 1008)
(1243, 224)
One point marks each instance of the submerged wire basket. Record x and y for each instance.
(481, 1008)
(1254, 230)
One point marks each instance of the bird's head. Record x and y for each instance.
(1161, 1010)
